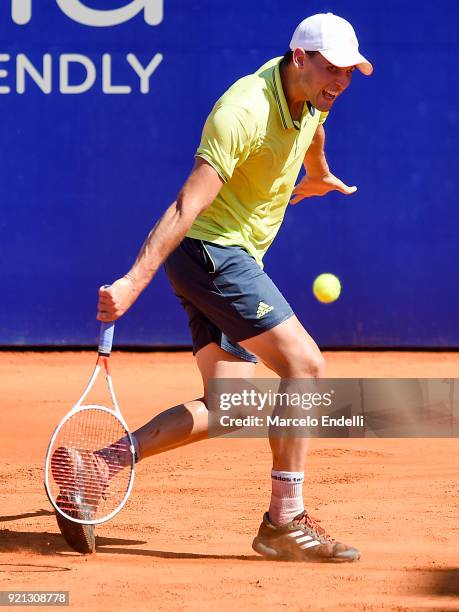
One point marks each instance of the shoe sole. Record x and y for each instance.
(266, 551)
(263, 549)
(81, 538)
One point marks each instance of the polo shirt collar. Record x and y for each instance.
(282, 105)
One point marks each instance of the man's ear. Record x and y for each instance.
(299, 57)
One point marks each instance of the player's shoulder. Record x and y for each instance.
(253, 93)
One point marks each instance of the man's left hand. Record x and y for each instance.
(319, 186)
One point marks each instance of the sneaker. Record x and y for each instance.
(301, 540)
(80, 537)
(80, 475)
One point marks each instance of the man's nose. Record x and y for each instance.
(341, 82)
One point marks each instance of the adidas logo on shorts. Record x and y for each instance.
(263, 309)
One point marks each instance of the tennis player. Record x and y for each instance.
(212, 240)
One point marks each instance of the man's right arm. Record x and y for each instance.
(197, 194)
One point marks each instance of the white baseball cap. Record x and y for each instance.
(334, 37)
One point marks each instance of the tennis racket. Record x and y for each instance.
(89, 465)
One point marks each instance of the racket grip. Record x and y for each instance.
(106, 338)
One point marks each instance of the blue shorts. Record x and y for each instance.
(225, 293)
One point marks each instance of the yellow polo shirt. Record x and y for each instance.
(256, 148)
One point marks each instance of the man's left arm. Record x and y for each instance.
(318, 180)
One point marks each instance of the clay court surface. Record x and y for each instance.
(183, 541)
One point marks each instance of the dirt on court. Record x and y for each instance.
(183, 541)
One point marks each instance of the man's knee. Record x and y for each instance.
(307, 365)
(317, 365)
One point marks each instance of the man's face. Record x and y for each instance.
(323, 82)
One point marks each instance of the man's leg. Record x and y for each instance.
(175, 427)
(287, 531)
(188, 422)
(290, 352)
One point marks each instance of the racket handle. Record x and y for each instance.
(106, 336)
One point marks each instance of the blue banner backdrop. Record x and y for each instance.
(102, 107)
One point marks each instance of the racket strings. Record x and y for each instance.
(88, 461)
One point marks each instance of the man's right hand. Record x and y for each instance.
(116, 299)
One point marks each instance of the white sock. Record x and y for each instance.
(286, 497)
(137, 454)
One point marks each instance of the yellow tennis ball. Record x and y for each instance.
(326, 288)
